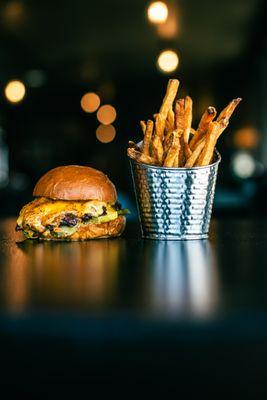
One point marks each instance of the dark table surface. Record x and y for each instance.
(129, 309)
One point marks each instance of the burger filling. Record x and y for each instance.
(44, 217)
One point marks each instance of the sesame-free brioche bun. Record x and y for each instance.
(76, 182)
(109, 229)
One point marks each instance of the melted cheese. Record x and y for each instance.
(42, 212)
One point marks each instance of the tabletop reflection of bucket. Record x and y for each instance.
(174, 203)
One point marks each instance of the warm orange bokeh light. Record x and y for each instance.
(171, 26)
(90, 102)
(168, 61)
(106, 114)
(157, 12)
(246, 138)
(13, 14)
(105, 133)
(15, 91)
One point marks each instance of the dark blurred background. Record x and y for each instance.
(61, 61)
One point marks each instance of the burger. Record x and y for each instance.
(72, 203)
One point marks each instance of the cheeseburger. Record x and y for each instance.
(72, 203)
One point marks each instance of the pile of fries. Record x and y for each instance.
(170, 141)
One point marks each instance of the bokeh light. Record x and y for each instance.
(246, 138)
(90, 102)
(106, 114)
(171, 27)
(157, 12)
(15, 91)
(168, 61)
(244, 165)
(13, 14)
(105, 133)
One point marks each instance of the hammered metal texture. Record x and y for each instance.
(174, 204)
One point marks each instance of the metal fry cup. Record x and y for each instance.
(174, 203)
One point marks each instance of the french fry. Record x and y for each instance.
(167, 141)
(133, 145)
(157, 146)
(170, 95)
(229, 109)
(179, 114)
(158, 151)
(188, 105)
(196, 153)
(179, 124)
(167, 144)
(183, 120)
(203, 125)
(170, 140)
(215, 130)
(176, 160)
(141, 157)
(143, 126)
(147, 137)
(182, 157)
(214, 133)
(170, 119)
(173, 150)
(168, 126)
(187, 150)
(159, 125)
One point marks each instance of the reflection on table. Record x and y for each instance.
(163, 279)
(64, 275)
(182, 277)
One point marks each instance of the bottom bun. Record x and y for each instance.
(109, 229)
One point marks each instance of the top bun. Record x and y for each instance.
(75, 182)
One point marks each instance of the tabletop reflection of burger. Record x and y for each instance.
(72, 203)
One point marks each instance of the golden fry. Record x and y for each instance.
(179, 114)
(167, 141)
(179, 123)
(170, 120)
(168, 127)
(183, 121)
(141, 157)
(182, 158)
(176, 160)
(229, 109)
(187, 151)
(170, 140)
(133, 145)
(159, 126)
(173, 150)
(170, 95)
(157, 149)
(157, 146)
(205, 120)
(215, 130)
(207, 152)
(196, 153)
(188, 106)
(147, 137)
(143, 126)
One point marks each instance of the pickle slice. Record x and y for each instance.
(64, 231)
(104, 218)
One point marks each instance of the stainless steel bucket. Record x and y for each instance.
(174, 203)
